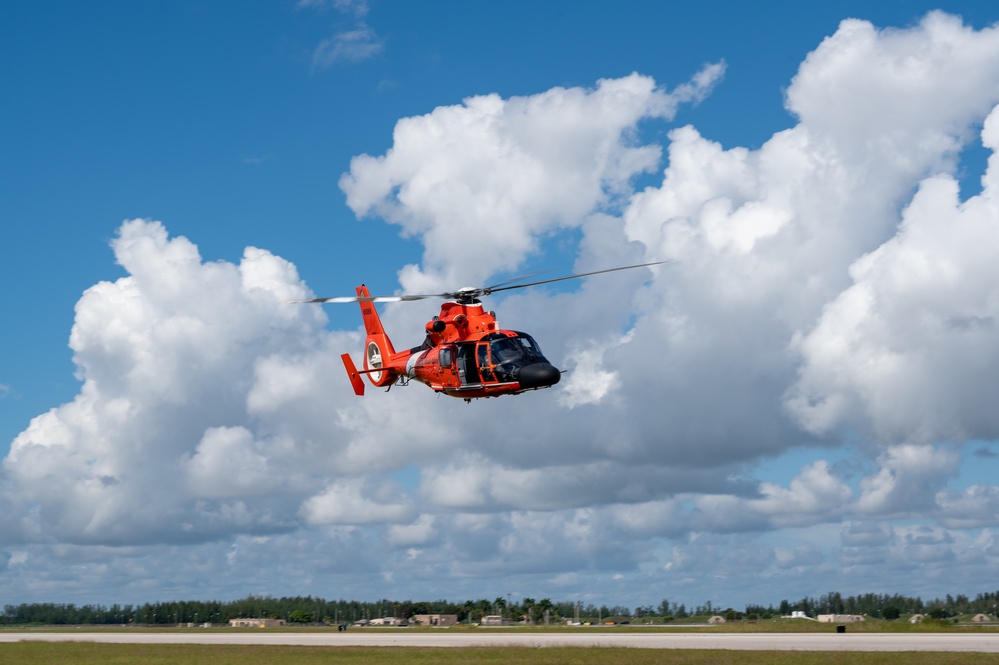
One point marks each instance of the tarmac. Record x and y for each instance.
(870, 642)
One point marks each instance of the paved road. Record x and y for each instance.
(988, 643)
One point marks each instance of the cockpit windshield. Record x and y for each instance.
(520, 349)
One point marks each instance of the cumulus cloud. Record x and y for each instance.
(975, 507)
(351, 502)
(498, 173)
(228, 462)
(160, 443)
(908, 351)
(816, 494)
(809, 299)
(908, 480)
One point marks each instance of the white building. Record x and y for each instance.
(840, 618)
(436, 619)
(255, 623)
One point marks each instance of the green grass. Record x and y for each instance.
(72, 653)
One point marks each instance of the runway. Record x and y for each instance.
(898, 642)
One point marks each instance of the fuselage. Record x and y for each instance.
(466, 355)
(484, 365)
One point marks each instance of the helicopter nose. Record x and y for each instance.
(538, 375)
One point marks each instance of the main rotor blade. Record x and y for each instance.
(468, 293)
(515, 279)
(494, 289)
(350, 299)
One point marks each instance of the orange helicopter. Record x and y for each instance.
(465, 353)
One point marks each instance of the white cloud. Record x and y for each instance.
(974, 507)
(908, 481)
(815, 494)
(902, 96)
(356, 501)
(351, 42)
(167, 358)
(497, 174)
(359, 43)
(228, 462)
(358, 8)
(420, 532)
(908, 352)
(587, 381)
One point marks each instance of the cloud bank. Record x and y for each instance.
(828, 291)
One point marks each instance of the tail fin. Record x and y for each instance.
(372, 324)
(378, 347)
(355, 377)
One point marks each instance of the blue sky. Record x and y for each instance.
(798, 402)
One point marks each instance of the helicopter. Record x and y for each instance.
(465, 353)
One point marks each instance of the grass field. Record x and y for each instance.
(72, 653)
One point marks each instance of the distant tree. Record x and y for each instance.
(545, 607)
(891, 613)
(300, 616)
(528, 605)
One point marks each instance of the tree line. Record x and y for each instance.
(308, 609)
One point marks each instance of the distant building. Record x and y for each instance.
(492, 620)
(387, 621)
(716, 619)
(436, 619)
(980, 618)
(255, 623)
(916, 618)
(840, 618)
